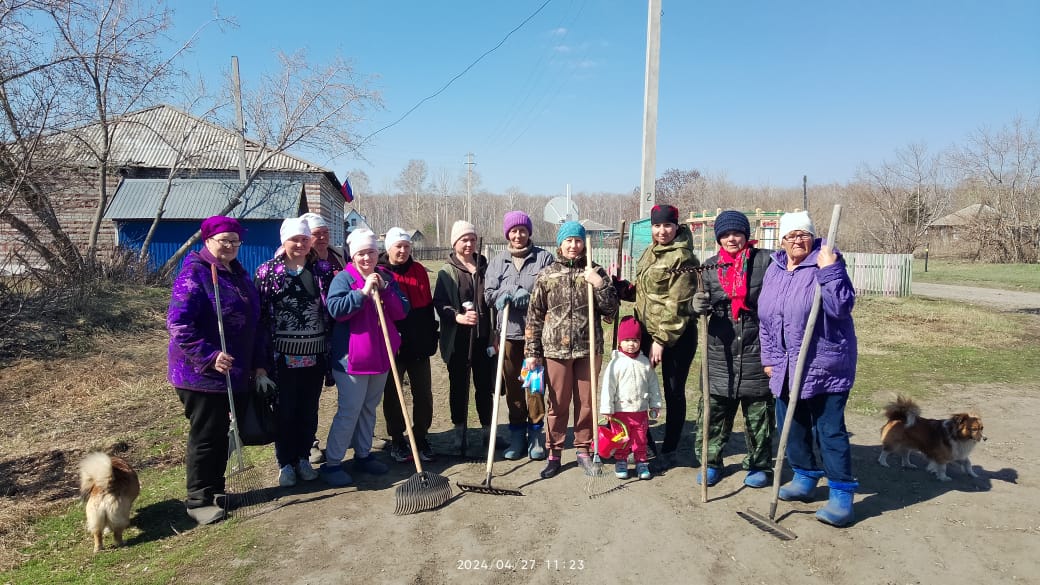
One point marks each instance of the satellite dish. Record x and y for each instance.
(559, 210)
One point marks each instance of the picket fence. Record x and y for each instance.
(871, 274)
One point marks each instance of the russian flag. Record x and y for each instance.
(348, 194)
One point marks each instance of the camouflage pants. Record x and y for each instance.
(759, 422)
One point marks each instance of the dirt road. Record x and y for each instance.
(1004, 300)
(911, 528)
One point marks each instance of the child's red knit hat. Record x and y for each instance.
(629, 329)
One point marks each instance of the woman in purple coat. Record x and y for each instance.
(830, 369)
(197, 366)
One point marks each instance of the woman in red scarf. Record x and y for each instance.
(735, 375)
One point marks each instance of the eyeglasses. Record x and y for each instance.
(797, 237)
(228, 243)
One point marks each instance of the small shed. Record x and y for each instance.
(264, 205)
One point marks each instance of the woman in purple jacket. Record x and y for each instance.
(197, 366)
(359, 358)
(830, 369)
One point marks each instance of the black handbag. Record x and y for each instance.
(258, 417)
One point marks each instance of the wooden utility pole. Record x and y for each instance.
(469, 186)
(239, 119)
(653, 61)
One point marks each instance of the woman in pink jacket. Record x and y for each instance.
(359, 358)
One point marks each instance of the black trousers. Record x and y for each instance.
(675, 368)
(299, 390)
(459, 369)
(207, 455)
(421, 384)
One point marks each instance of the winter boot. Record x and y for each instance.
(460, 439)
(536, 441)
(517, 442)
(802, 486)
(838, 511)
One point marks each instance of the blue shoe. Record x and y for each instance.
(714, 475)
(334, 475)
(757, 479)
(621, 469)
(643, 470)
(369, 464)
(536, 442)
(838, 511)
(801, 487)
(517, 443)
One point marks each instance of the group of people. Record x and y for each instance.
(309, 317)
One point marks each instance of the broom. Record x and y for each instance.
(245, 493)
(485, 486)
(595, 471)
(768, 523)
(424, 490)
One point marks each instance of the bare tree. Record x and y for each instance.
(443, 189)
(1004, 165)
(903, 197)
(411, 185)
(315, 108)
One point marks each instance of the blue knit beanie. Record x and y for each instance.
(732, 221)
(571, 229)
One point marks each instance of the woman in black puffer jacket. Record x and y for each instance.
(736, 379)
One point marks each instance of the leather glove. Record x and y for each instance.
(603, 421)
(500, 302)
(701, 303)
(266, 386)
(521, 297)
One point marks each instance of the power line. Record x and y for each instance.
(460, 74)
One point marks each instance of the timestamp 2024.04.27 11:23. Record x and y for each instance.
(520, 564)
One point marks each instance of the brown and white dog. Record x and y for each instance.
(940, 441)
(109, 486)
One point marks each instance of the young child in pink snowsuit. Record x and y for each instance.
(630, 390)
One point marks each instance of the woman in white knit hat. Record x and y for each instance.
(465, 331)
(292, 288)
(360, 363)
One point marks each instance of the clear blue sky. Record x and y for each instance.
(761, 91)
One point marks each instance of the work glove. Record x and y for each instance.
(626, 291)
(521, 297)
(500, 302)
(603, 421)
(654, 413)
(701, 303)
(266, 386)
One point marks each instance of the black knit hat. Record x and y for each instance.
(664, 214)
(732, 221)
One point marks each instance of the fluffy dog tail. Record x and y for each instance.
(95, 471)
(903, 409)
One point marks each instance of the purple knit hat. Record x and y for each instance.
(516, 218)
(220, 224)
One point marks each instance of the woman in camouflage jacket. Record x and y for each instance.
(557, 334)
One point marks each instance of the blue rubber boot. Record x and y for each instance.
(838, 511)
(517, 443)
(802, 487)
(536, 441)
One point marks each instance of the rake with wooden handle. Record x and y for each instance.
(424, 490)
(485, 487)
(768, 523)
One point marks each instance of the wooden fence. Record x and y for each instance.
(880, 274)
(871, 274)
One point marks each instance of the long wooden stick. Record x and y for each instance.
(617, 275)
(702, 323)
(596, 463)
(799, 368)
(397, 379)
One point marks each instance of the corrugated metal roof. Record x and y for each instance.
(160, 136)
(201, 198)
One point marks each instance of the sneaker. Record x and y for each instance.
(287, 476)
(400, 451)
(621, 469)
(426, 453)
(369, 464)
(552, 467)
(334, 475)
(643, 470)
(305, 472)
